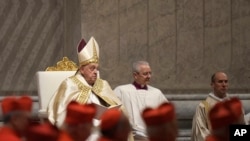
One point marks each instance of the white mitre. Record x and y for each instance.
(88, 53)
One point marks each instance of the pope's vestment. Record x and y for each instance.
(76, 88)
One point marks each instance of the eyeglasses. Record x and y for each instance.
(145, 73)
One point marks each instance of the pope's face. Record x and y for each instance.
(143, 76)
(90, 72)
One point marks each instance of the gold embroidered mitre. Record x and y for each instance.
(88, 53)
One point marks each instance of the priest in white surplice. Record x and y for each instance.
(139, 95)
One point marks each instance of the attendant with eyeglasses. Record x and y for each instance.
(138, 95)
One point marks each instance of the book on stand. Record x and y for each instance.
(100, 109)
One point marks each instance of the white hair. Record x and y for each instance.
(136, 65)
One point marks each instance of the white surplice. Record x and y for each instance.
(135, 101)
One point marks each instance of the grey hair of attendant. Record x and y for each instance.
(136, 66)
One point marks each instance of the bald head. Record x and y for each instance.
(219, 83)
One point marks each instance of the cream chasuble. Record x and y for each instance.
(200, 125)
(76, 88)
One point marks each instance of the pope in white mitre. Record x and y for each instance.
(84, 87)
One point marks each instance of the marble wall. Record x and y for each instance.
(185, 41)
(35, 34)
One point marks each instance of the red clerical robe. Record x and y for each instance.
(8, 134)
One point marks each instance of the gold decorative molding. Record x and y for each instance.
(64, 65)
